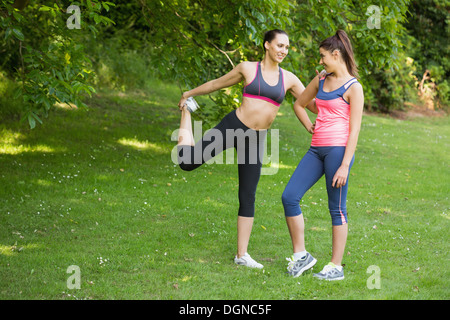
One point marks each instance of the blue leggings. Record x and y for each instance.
(316, 162)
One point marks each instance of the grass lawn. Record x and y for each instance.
(98, 189)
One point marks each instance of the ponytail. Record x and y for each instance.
(341, 42)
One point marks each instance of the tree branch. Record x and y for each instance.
(206, 39)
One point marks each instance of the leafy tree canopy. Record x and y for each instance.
(193, 41)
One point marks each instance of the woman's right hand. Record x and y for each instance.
(311, 129)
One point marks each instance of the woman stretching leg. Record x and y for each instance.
(265, 88)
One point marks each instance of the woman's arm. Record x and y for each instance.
(296, 88)
(303, 101)
(356, 99)
(229, 79)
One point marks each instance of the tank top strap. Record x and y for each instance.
(349, 83)
(321, 82)
(324, 77)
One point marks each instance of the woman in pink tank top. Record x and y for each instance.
(339, 100)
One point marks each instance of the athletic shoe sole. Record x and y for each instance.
(308, 266)
(329, 279)
(330, 275)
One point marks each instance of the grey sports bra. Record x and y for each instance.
(259, 89)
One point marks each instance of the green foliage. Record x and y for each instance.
(117, 66)
(199, 43)
(121, 54)
(194, 42)
(376, 48)
(46, 57)
(9, 106)
(191, 42)
(428, 25)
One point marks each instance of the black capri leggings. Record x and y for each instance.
(249, 144)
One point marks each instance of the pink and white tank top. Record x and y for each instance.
(333, 119)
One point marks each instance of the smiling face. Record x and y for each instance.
(329, 59)
(278, 48)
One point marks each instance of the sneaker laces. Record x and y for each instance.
(328, 268)
(291, 263)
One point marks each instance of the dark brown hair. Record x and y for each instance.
(341, 42)
(270, 35)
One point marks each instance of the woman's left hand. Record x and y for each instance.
(182, 101)
(340, 177)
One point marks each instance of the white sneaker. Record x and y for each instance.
(247, 261)
(330, 272)
(191, 104)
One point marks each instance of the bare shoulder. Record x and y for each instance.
(289, 75)
(247, 69)
(290, 79)
(356, 88)
(247, 65)
(355, 95)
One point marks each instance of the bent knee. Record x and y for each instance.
(289, 199)
(291, 204)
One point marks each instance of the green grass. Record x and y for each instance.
(97, 189)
